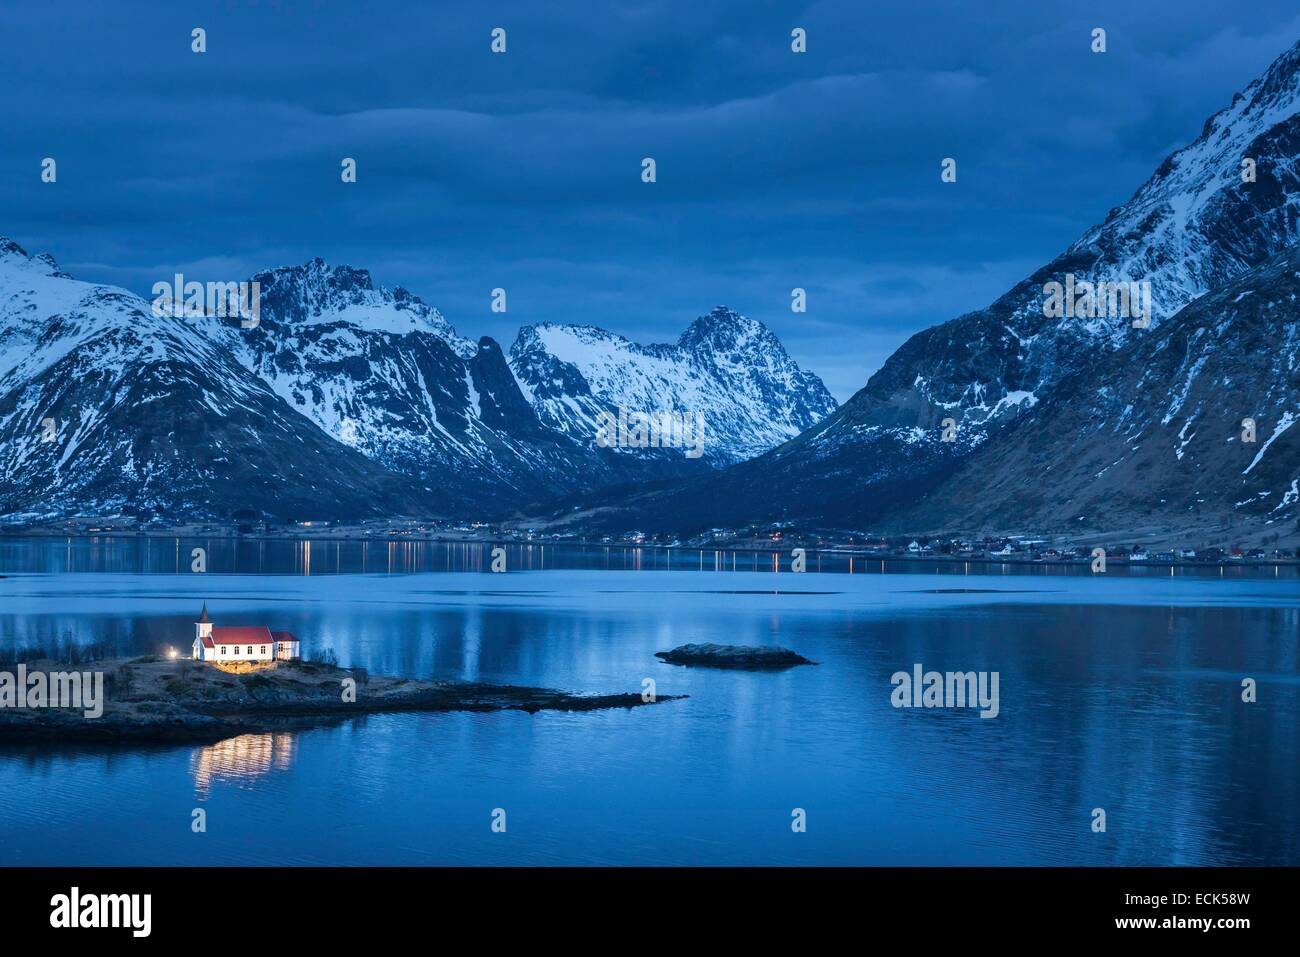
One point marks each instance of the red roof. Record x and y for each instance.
(283, 636)
(256, 635)
(207, 641)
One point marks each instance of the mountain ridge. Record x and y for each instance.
(1192, 226)
(339, 372)
(729, 367)
(1095, 458)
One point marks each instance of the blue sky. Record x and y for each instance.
(522, 170)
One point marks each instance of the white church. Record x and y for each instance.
(256, 643)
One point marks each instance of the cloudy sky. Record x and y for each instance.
(522, 170)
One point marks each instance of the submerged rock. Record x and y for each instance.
(745, 657)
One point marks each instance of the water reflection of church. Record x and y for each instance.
(240, 761)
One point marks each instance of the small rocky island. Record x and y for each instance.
(743, 657)
(169, 699)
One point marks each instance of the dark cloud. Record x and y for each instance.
(523, 171)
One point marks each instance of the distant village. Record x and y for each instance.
(772, 537)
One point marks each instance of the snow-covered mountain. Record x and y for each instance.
(345, 400)
(387, 375)
(729, 368)
(1194, 226)
(319, 294)
(1151, 438)
(105, 407)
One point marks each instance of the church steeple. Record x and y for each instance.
(203, 617)
(203, 627)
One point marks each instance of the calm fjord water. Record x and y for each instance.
(1120, 692)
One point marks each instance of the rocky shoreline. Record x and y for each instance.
(154, 699)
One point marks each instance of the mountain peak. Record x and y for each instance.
(319, 279)
(726, 366)
(724, 329)
(317, 292)
(43, 263)
(721, 316)
(10, 248)
(1184, 229)
(1284, 72)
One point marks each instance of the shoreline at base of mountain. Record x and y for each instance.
(814, 543)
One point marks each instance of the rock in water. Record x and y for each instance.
(733, 656)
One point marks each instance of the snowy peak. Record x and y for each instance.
(105, 406)
(725, 366)
(555, 336)
(1223, 204)
(1195, 225)
(744, 348)
(1192, 424)
(14, 256)
(317, 292)
(45, 313)
(724, 330)
(11, 251)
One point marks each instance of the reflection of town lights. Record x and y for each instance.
(172, 652)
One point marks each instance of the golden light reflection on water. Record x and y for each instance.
(242, 760)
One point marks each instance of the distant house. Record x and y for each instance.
(248, 643)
